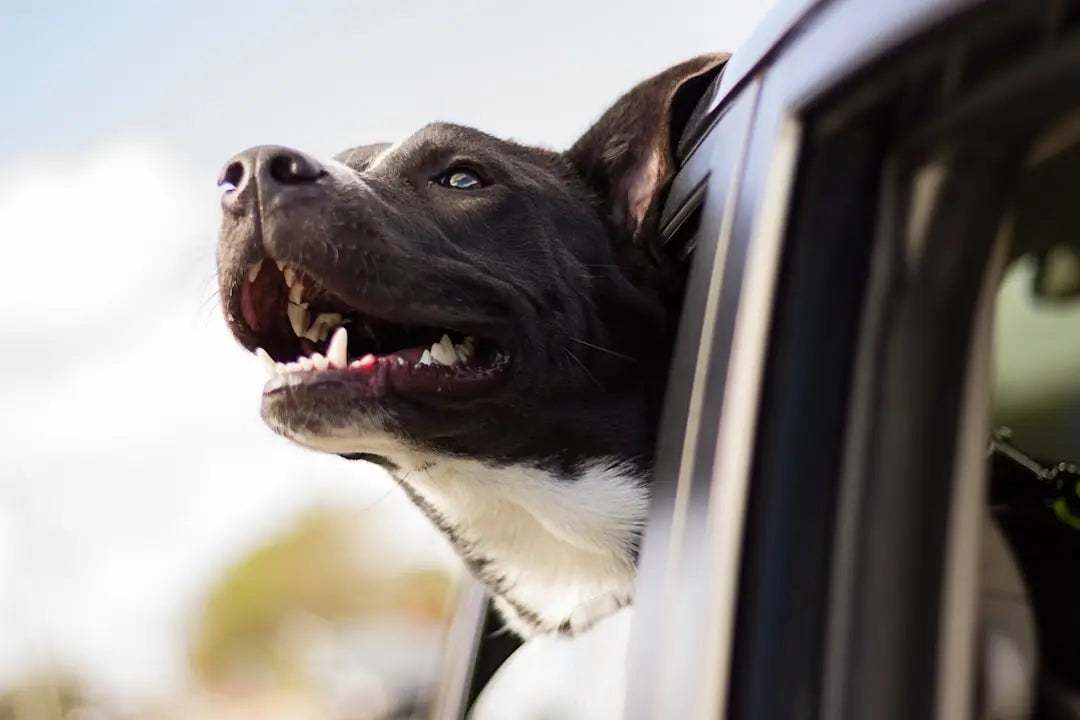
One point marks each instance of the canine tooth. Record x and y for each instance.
(267, 360)
(253, 271)
(298, 318)
(320, 362)
(425, 359)
(338, 350)
(290, 276)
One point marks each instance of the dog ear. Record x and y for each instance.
(627, 156)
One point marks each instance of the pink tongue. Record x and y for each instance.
(411, 355)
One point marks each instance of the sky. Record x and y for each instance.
(133, 465)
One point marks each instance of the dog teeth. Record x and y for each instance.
(442, 354)
(466, 349)
(445, 352)
(280, 266)
(338, 350)
(271, 366)
(290, 276)
(296, 291)
(320, 328)
(253, 271)
(298, 318)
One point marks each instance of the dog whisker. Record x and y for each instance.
(580, 364)
(210, 300)
(399, 484)
(609, 351)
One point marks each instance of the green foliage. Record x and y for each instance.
(314, 569)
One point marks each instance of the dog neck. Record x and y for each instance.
(556, 548)
(557, 551)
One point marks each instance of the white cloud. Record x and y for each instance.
(136, 469)
(85, 234)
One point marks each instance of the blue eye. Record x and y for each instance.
(461, 179)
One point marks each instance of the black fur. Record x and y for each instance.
(546, 259)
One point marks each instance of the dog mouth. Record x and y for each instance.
(307, 335)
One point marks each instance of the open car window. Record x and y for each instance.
(864, 503)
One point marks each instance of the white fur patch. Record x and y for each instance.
(559, 551)
(563, 546)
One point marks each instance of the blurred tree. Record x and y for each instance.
(42, 698)
(316, 569)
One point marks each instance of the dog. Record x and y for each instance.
(490, 322)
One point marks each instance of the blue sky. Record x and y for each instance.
(134, 466)
(210, 75)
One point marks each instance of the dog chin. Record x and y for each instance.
(330, 427)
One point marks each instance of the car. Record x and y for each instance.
(825, 539)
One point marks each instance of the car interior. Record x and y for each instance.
(1030, 585)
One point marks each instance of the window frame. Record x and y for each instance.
(712, 621)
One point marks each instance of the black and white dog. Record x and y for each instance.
(490, 322)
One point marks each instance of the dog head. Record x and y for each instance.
(461, 294)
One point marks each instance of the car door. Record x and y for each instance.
(814, 541)
(816, 550)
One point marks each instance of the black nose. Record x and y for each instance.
(269, 167)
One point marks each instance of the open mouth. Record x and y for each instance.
(306, 334)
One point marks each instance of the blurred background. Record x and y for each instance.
(163, 554)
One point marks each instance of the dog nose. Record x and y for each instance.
(268, 167)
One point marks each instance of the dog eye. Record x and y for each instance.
(460, 179)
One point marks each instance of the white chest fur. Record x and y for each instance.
(557, 551)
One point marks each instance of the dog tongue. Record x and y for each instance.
(411, 355)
